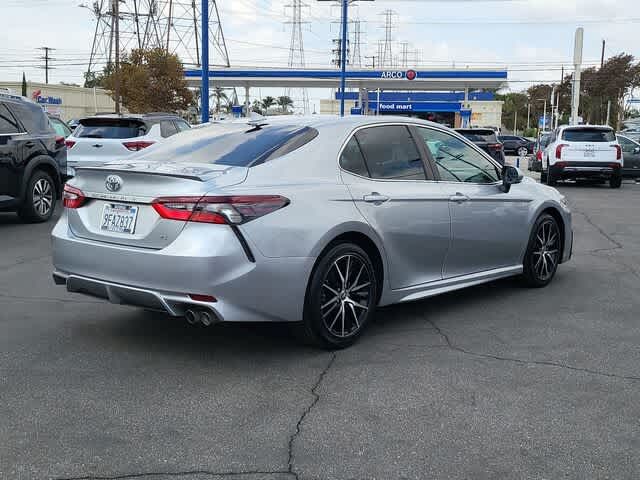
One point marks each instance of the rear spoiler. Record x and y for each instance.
(144, 172)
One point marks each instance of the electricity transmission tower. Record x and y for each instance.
(171, 24)
(356, 56)
(386, 55)
(296, 46)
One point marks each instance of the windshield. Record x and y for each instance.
(589, 135)
(234, 145)
(110, 128)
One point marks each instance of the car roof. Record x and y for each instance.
(579, 127)
(132, 116)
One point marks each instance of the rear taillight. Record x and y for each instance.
(59, 140)
(539, 155)
(495, 146)
(559, 150)
(618, 151)
(232, 210)
(69, 143)
(72, 197)
(135, 146)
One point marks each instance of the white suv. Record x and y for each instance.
(102, 138)
(583, 152)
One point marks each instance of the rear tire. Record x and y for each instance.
(341, 298)
(615, 182)
(543, 252)
(543, 176)
(552, 180)
(40, 199)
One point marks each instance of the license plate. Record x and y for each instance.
(589, 153)
(119, 218)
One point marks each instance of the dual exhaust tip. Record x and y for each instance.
(203, 317)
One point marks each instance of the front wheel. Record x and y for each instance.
(543, 252)
(341, 298)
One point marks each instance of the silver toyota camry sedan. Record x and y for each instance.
(310, 220)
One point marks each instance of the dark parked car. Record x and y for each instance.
(486, 139)
(517, 145)
(535, 163)
(32, 159)
(631, 156)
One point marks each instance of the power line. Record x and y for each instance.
(46, 59)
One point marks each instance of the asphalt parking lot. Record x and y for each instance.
(497, 381)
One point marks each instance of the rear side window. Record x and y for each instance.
(477, 136)
(352, 160)
(391, 153)
(182, 125)
(588, 135)
(8, 124)
(228, 145)
(32, 117)
(167, 128)
(110, 128)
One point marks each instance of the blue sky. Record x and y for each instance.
(533, 39)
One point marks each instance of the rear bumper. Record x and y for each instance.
(585, 170)
(204, 259)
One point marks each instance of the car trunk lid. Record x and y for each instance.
(118, 208)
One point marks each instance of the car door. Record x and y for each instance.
(631, 155)
(10, 134)
(489, 228)
(391, 184)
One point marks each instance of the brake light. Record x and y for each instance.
(231, 210)
(136, 146)
(618, 151)
(72, 197)
(539, 155)
(60, 140)
(559, 150)
(69, 143)
(495, 146)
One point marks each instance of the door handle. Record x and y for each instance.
(375, 197)
(459, 198)
(30, 144)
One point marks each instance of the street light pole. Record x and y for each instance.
(204, 90)
(528, 114)
(343, 54)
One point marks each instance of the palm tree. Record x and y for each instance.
(285, 102)
(257, 107)
(219, 95)
(267, 102)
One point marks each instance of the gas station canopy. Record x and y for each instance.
(459, 80)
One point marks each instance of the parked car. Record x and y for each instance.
(630, 155)
(33, 159)
(583, 152)
(61, 128)
(486, 139)
(516, 145)
(309, 220)
(535, 163)
(103, 138)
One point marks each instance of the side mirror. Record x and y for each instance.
(636, 150)
(510, 175)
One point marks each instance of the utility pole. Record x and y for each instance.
(608, 111)
(602, 55)
(46, 59)
(373, 61)
(116, 21)
(204, 88)
(515, 123)
(577, 62)
(528, 114)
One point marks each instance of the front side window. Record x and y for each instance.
(390, 153)
(167, 128)
(456, 161)
(32, 117)
(8, 124)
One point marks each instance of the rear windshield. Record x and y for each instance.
(488, 136)
(589, 135)
(233, 145)
(110, 128)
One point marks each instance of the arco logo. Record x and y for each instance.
(411, 74)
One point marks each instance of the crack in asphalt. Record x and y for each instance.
(617, 244)
(184, 473)
(546, 363)
(306, 412)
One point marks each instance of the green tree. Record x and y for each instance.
(24, 85)
(256, 106)
(284, 102)
(514, 102)
(268, 102)
(151, 80)
(219, 95)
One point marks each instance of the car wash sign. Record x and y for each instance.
(399, 74)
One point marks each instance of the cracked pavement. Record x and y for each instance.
(496, 381)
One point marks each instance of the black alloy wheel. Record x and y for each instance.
(544, 252)
(341, 297)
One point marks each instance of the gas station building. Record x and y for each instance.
(455, 97)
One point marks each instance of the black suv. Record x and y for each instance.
(517, 145)
(32, 160)
(486, 139)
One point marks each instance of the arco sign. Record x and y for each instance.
(399, 74)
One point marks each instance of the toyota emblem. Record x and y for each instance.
(113, 183)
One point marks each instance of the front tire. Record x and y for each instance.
(40, 199)
(341, 298)
(543, 252)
